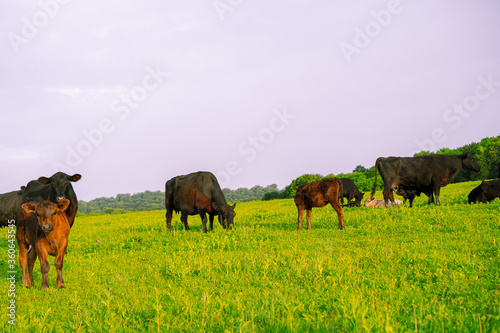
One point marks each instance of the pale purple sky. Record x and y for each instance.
(130, 94)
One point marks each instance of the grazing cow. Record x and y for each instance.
(487, 191)
(350, 191)
(42, 230)
(197, 193)
(431, 171)
(53, 189)
(318, 194)
(410, 194)
(10, 204)
(369, 202)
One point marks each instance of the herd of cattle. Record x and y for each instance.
(44, 210)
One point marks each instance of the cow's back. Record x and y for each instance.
(10, 204)
(192, 193)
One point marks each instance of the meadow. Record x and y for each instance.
(427, 269)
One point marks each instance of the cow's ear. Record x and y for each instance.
(29, 207)
(214, 205)
(62, 204)
(76, 177)
(44, 180)
(234, 205)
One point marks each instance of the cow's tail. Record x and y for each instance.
(341, 189)
(374, 188)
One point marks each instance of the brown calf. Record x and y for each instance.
(318, 194)
(42, 229)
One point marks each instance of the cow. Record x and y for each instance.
(369, 202)
(54, 188)
(42, 230)
(197, 193)
(411, 193)
(431, 171)
(318, 194)
(350, 191)
(487, 191)
(10, 203)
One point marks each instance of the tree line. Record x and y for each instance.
(486, 152)
(156, 200)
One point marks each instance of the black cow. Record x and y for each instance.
(53, 189)
(410, 194)
(10, 204)
(487, 191)
(431, 171)
(197, 193)
(350, 191)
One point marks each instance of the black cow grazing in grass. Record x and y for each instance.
(350, 191)
(57, 187)
(10, 204)
(411, 193)
(197, 193)
(318, 194)
(487, 191)
(42, 230)
(431, 171)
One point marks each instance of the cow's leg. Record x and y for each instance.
(437, 189)
(308, 217)
(31, 263)
(44, 264)
(301, 214)
(59, 263)
(23, 255)
(340, 214)
(387, 194)
(168, 215)
(204, 221)
(211, 219)
(184, 220)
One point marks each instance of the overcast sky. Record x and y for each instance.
(130, 93)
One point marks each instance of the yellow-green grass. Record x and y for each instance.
(404, 269)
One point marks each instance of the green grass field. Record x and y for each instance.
(420, 269)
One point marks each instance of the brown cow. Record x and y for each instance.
(43, 230)
(318, 194)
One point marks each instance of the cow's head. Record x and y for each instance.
(46, 212)
(60, 183)
(469, 163)
(226, 215)
(357, 199)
